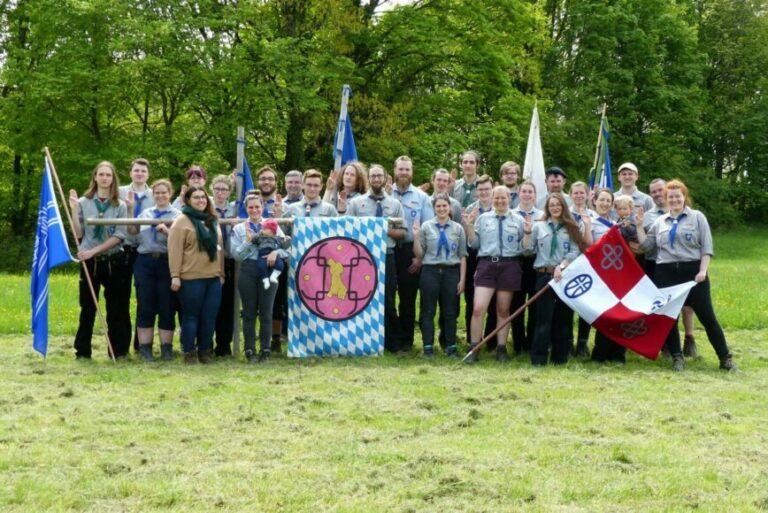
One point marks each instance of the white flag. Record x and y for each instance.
(533, 169)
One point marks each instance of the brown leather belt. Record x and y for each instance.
(546, 270)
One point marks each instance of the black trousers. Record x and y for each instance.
(552, 326)
(113, 274)
(699, 299)
(391, 321)
(522, 331)
(469, 299)
(606, 350)
(407, 290)
(225, 317)
(438, 286)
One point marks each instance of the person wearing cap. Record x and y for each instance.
(137, 197)
(509, 173)
(100, 247)
(557, 240)
(522, 330)
(376, 203)
(498, 236)
(628, 176)
(441, 244)
(683, 241)
(417, 210)
(555, 181)
(258, 254)
(197, 176)
(465, 188)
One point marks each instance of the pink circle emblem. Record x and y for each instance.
(336, 278)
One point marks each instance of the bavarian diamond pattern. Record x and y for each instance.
(361, 335)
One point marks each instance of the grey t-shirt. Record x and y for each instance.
(88, 210)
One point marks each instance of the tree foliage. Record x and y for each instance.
(683, 82)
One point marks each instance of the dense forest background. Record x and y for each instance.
(684, 82)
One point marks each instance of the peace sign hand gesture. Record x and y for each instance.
(277, 209)
(130, 200)
(73, 200)
(248, 233)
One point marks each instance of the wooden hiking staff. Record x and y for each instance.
(65, 205)
(505, 322)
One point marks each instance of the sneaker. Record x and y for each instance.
(145, 350)
(264, 355)
(205, 357)
(190, 358)
(678, 363)
(166, 352)
(501, 354)
(727, 364)
(471, 356)
(250, 356)
(429, 352)
(689, 347)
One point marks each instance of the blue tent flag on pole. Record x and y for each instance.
(51, 250)
(247, 186)
(344, 141)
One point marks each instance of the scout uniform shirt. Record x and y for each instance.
(442, 244)
(315, 208)
(683, 239)
(491, 242)
(151, 240)
(244, 250)
(416, 207)
(227, 211)
(640, 199)
(455, 208)
(552, 244)
(368, 205)
(648, 219)
(465, 193)
(94, 235)
(535, 214)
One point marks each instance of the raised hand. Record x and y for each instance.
(388, 186)
(277, 208)
(639, 216)
(452, 183)
(130, 200)
(425, 186)
(416, 229)
(333, 178)
(341, 204)
(73, 200)
(528, 224)
(248, 233)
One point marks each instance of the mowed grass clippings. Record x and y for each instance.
(387, 434)
(382, 434)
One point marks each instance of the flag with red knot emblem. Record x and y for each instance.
(608, 289)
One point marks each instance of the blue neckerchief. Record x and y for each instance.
(483, 210)
(223, 215)
(673, 231)
(442, 241)
(604, 222)
(309, 207)
(292, 201)
(501, 234)
(157, 215)
(265, 211)
(255, 228)
(379, 206)
(138, 198)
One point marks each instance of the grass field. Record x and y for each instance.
(388, 434)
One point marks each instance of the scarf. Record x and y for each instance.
(102, 207)
(553, 244)
(207, 238)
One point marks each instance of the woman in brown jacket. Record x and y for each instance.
(196, 263)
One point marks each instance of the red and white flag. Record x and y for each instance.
(608, 289)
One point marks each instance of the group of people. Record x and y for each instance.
(491, 241)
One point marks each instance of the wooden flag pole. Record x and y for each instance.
(65, 205)
(239, 184)
(506, 321)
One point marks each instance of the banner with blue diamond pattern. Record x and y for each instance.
(336, 286)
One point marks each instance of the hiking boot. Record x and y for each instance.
(145, 350)
(166, 352)
(275, 346)
(582, 349)
(689, 347)
(190, 358)
(429, 352)
(727, 364)
(205, 357)
(471, 356)
(501, 354)
(250, 356)
(678, 363)
(264, 355)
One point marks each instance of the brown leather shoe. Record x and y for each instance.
(689, 347)
(205, 357)
(190, 358)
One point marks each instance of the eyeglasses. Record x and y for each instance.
(220, 189)
(266, 179)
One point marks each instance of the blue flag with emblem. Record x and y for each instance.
(601, 175)
(51, 250)
(247, 186)
(336, 287)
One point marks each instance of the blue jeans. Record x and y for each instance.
(153, 292)
(200, 300)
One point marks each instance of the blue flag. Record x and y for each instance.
(344, 141)
(247, 186)
(601, 176)
(51, 250)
